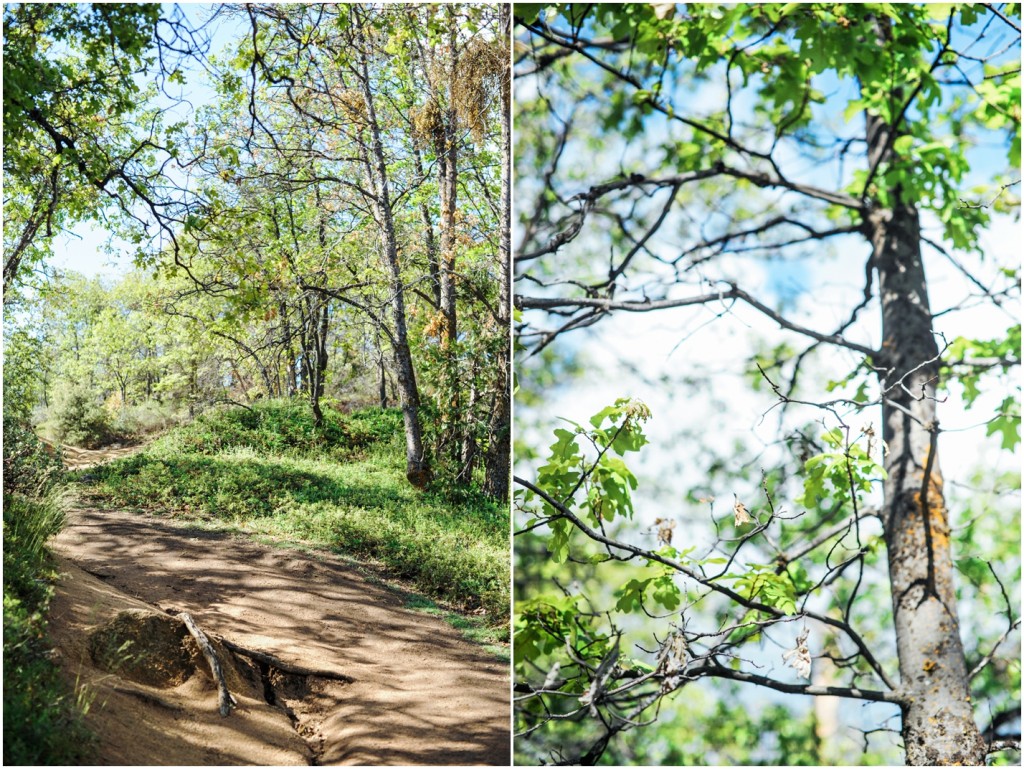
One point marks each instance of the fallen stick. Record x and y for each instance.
(225, 698)
(286, 667)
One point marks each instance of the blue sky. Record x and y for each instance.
(89, 247)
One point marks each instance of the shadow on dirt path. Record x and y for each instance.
(420, 693)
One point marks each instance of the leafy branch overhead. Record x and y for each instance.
(799, 173)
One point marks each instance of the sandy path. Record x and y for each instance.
(421, 694)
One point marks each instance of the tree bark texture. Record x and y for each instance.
(446, 147)
(497, 464)
(938, 722)
(447, 164)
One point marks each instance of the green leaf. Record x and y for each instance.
(903, 144)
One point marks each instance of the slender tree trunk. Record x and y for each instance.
(938, 722)
(417, 468)
(447, 150)
(289, 348)
(383, 391)
(497, 460)
(448, 168)
(428, 236)
(469, 445)
(320, 337)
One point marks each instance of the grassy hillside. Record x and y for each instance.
(343, 487)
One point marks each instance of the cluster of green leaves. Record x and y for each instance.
(832, 479)
(606, 481)
(71, 95)
(967, 361)
(42, 722)
(270, 471)
(660, 588)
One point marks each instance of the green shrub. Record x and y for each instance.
(144, 418)
(30, 466)
(79, 420)
(285, 426)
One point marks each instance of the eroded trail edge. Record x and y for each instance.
(325, 667)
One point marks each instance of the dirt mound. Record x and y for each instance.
(169, 716)
(145, 647)
(325, 667)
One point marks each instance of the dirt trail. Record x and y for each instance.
(78, 459)
(420, 694)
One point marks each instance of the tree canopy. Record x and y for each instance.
(318, 206)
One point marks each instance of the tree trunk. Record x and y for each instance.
(938, 720)
(497, 461)
(383, 371)
(469, 446)
(447, 150)
(447, 164)
(289, 349)
(314, 351)
(428, 236)
(417, 469)
(320, 337)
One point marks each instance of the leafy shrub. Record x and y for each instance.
(143, 418)
(30, 466)
(286, 427)
(80, 420)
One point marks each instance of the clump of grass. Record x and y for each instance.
(42, 717)
(341, 486)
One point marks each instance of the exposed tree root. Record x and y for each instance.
(226, 700)
(285, 667)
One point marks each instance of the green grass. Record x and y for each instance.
(342, 487)
(42, 721)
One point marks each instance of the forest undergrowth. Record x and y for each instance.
(42, 716)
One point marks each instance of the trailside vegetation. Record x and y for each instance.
(270, 471)
(42, 714)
